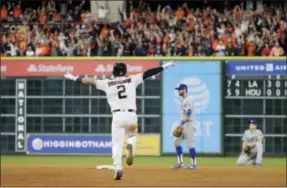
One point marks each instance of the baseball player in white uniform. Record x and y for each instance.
(252, 146)
(186, 129)
(121, 96)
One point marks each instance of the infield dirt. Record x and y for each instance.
(138, 175)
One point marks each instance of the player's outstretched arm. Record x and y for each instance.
(81, 79)
(150, 72)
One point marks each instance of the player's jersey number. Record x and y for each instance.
(121, 91)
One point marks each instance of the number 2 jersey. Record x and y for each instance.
(121, 91)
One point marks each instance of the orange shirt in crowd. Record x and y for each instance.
(17, 12)
(4, 13)
(43, 50)
(128, 22)
(55, 40)
(42, 16)
(206, 21)
(191, 27)
(215, 44)
(226, 39)
(179, 13)
(251, 47)
(23, 44)
(233, 41)
(207, 31)
(56, 16)
(104, 32)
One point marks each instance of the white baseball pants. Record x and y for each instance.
(120, 123)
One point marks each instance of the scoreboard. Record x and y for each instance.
(256, 90)
(272, 87)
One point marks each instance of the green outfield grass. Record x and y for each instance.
(217, 161)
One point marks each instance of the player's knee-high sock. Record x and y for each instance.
(179, 154)
(192, 153)
(132, 139)
(117, 148)
(259, 148)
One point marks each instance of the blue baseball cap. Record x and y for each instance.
(181, 86)
(252, 122)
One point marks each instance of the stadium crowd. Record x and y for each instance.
(51, 30)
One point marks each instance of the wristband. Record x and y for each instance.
(188, 112)
(182, 122)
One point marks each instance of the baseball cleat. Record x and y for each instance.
(191, 167)
(257, 164)
(178, 165)
(130, 157)
(118, 174)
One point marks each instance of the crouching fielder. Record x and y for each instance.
(252, 146)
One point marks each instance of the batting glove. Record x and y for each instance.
(168, 64)
(69, 76)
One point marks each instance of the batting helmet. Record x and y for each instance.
(120, 69)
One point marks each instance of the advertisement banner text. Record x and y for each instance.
(70, 144)
(34, 67)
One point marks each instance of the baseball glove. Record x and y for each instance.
(178, 131)
(247, 150)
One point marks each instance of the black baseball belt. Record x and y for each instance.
(123, 110)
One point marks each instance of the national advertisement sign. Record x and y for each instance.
(203, 79)
(46, 67)
(86, 144)
(256, 67)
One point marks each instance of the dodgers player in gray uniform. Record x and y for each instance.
(187, 118)
(252, 138)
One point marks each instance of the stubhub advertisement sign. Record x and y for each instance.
(69, 144)
(203, 79)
